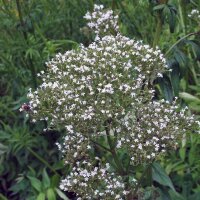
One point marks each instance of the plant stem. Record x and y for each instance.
(32, 68)
(141, 178)
(182, 12)
(42, 160)
(188, 35)
(122, 7)
(158, 30)
(100, 145)
(113, 152)
(21, 19)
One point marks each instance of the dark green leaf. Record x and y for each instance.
(175, 79)
(172, 21)
(159, 175)
(166, 88)
(175, 196)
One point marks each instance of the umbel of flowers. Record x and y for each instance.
(103, 93)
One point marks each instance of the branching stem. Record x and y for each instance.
(43, 161)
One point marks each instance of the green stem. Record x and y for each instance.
(182, 12)
(148, 167)
(21, 19)
(188, 35)
(32, 68)
(122, 7)
(158, 30)
(100, 145)
(42, 160)
(113, 152)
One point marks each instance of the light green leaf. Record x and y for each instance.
(51, 194)
(188, 97)
(182, 153)
(41, 196)
(159, 7)
(35, 183)
(45, 179)
(61, 194)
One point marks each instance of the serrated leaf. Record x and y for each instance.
(159, 175)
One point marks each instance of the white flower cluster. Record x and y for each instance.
(74, 146)
(105, 185)
(96, 82)
(102, 21)
(153, 128)
(195, 14)
(105, 90)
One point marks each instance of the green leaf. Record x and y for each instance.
(192, 155)
(61, 194)
(51, 194)
(175, 79)
(188, 97)
(159, 7)
(172, 19)
(182, 153)
(159, 175)
(41, 196)
(166, 88)
(45, 179)
(195, 196)
(175, 196)
(2, 197)
(148, 193)
(181, 59)
(55, 180)
(35, 183)
(3, 149)
(164, 194)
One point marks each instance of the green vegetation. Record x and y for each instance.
(32, 32)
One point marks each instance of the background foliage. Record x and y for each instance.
(32, 32)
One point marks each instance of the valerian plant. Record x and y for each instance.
(104, 91)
